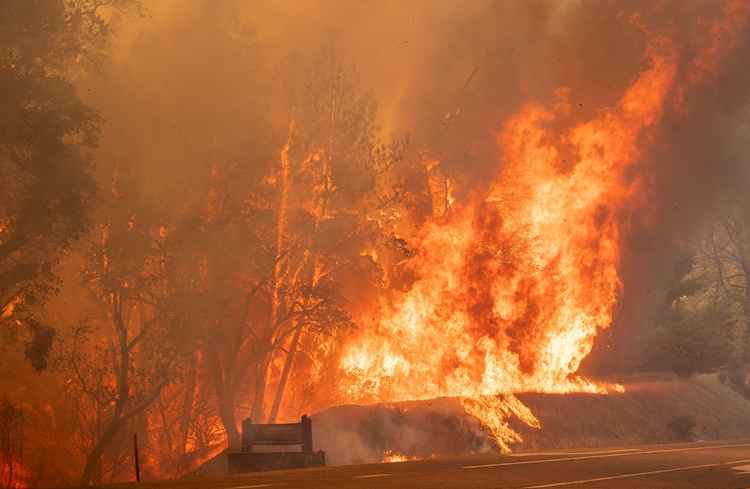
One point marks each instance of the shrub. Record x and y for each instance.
(682, 427)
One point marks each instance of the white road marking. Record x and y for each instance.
(637, 474)
(370, 476)
(595, 452)
(606, 455)
(251, 487)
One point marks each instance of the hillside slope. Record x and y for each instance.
(645, 413)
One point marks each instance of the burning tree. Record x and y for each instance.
(11, 445)
(260, 310)
(310, 263)
(124, 353)
(334, 165)
(46, 132)
(514, 285)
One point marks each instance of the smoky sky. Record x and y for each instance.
(193, 83)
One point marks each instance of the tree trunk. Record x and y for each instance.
(261, 374)
(226, 413)
(187, 409)
(279, 275)
(225, 397)
(285, 375)
(93, 460)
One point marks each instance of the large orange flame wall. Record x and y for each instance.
(514, 286)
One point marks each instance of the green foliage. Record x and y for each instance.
(694, 340)
(693, 329)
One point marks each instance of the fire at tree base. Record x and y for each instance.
(653, 409)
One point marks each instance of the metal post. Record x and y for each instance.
(247, 435)
(137, 463)
(307, 443)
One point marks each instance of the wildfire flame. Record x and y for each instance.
(393, 457)
(13, 474)
(514, 286)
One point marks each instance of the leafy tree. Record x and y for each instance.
(127, 351)
(45, 178)
(338, 164)
(11, 445)
(691, 327)
(272, 292)
(723, 260)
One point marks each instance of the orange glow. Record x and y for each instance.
(13, 474)
(441, 188)
(513, 287)
(723, 36)
(282, 223)
(10, 307)
(392, 457)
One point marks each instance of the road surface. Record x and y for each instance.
(698, 465)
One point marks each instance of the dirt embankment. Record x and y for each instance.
(653, 409)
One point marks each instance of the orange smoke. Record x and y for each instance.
(514, 286)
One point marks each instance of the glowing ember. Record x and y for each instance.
(391, 457)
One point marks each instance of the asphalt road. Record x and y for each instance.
(697, 465)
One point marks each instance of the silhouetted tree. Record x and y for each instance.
(11, 445)
(45, 178)
(125, 353)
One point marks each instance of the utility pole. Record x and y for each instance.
(135, 458)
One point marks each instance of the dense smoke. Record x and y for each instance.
(265, 152)
(189, 86)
